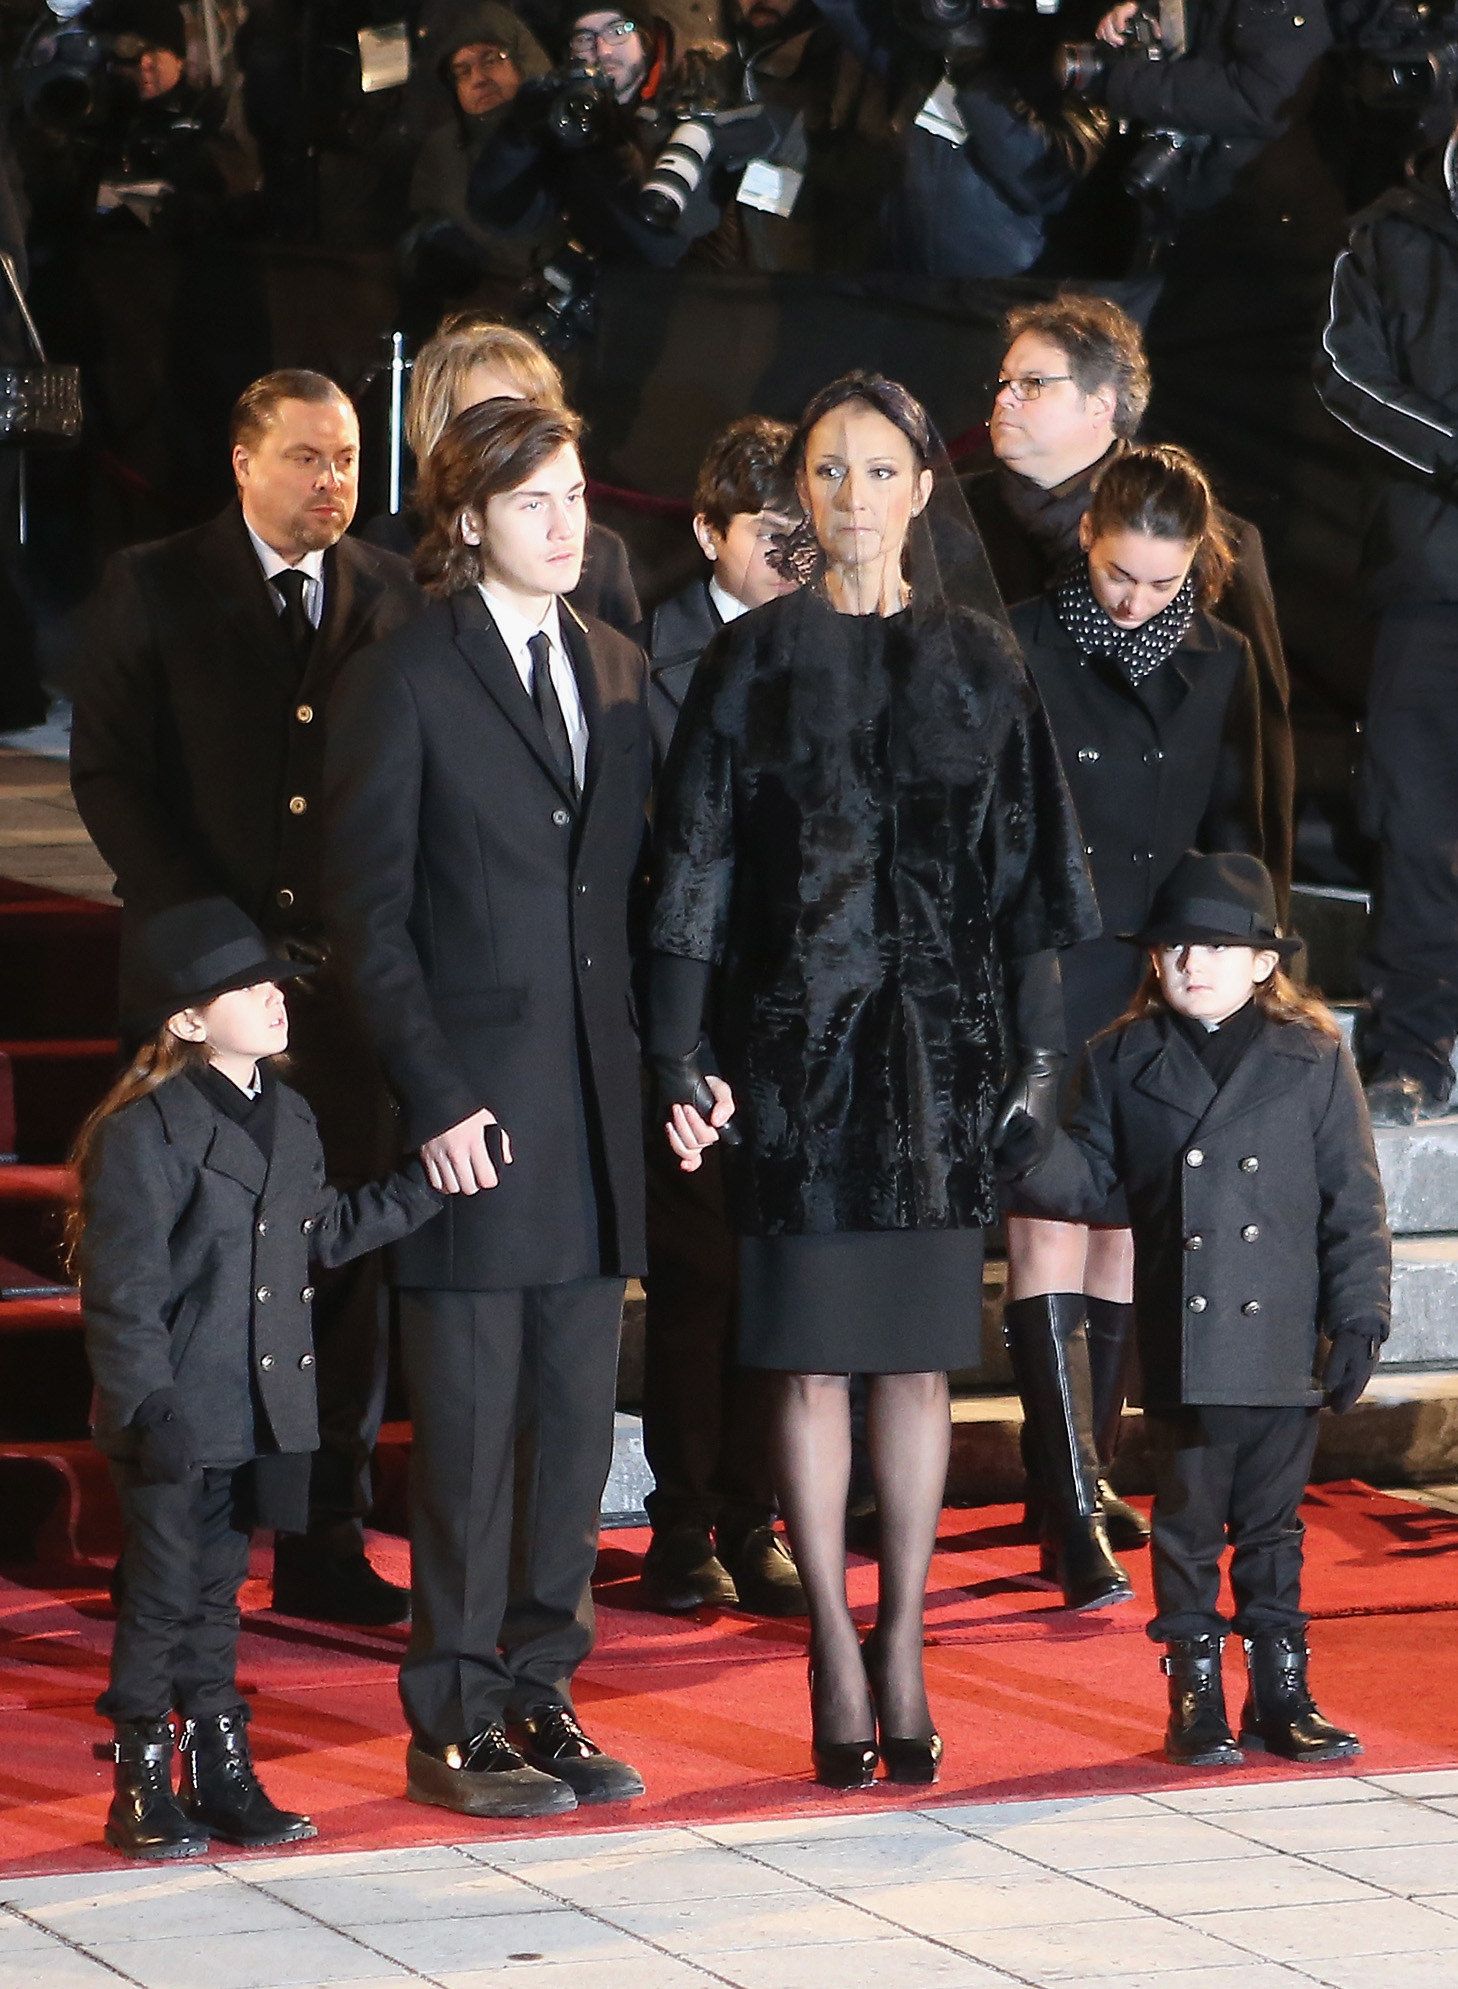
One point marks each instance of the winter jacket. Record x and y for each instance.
(1388, 370)
(196, 1267)
(1257, 1208)
(868, 828)
(679, 631)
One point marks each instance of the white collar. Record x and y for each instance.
(311, 565)
(514, 628)
(729, 606)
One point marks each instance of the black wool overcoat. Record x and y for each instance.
(1147, 787)
(1257, 1208)
(865, 830)
(481, 915)
(196, 1267)
(679, 631)
(197, 751)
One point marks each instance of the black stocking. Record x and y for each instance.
(812, 1475)
(909, 1436)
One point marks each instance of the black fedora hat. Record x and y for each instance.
(1224, 900)
(186, 955)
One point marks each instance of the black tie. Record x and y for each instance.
(298, 629)
(549, 708)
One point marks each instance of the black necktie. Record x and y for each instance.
(298, 629)
(549, 707)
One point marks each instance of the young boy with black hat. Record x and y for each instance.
(1229, 1108)
(202, 1206)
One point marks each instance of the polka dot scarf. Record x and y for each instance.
(1137, 651)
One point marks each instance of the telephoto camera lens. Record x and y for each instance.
(676, 173)
(1159, 161)
(1081, 67)
(581, 109)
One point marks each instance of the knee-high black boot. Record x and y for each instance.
(1047, 1342)
(1109, 1327)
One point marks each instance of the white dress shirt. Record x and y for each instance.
(729, 608)
(516, 631)
(311, 566)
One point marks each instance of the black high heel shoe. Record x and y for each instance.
(839, 1764)
(909, 1758)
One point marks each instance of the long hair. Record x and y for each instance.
(1279, 998)
(164, 1057)
(443, 363)
(485, 452)
(1162, 493)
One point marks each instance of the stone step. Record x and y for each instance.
(1420, 1176)
(1424, 1302)
(1333, 922)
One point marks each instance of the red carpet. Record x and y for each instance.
(1033, 1702)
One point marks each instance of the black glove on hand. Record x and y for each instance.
(1033, 1094)
(167, 1453)
(1350, 1365)
(1020, 1149)
(680, 1081)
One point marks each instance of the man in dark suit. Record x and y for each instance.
(197, 759)
(705, 1418)
(1074, 384)
(487, 790)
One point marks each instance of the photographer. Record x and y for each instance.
(1213, 104)
(482, 60)
(988, 151)
(1388, 370)
(583, 142)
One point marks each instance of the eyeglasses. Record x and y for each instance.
(1028, 386)
(480, 57)
(587, 41)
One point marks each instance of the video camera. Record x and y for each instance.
(66, 78)
(580, 109)
(1082, 67)
(1408, 54)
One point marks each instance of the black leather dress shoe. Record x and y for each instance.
(765, 1576)
(554, 1742)
(681, 1573)
(485, 1776)
(325, 1586)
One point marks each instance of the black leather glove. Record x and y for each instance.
(167, 1451)
(680, 1081)
(1019, 1150)
(1033, 1094)
(1355, 1352)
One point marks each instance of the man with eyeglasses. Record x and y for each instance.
(1071, 392)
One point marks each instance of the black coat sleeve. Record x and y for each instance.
(1232, 818)
(694, 826)
(135, 1194)
(606, 589)
(1353, 1242)
(1249, 606)
(119, 696)
(351, 1223)
(1361, 372)
(1237, 81)
(374, 767)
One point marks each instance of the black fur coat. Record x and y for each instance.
(865, 823)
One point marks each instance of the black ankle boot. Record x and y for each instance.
(221, 1791)
(1198, 1734)
(1047, 1343)
(1280, 1715)
(145, 1819)
(1110, 1329)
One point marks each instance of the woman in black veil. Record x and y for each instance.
(865, 843)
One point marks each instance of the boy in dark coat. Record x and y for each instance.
(1230, 1110)
(203, 1206)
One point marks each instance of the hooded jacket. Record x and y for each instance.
(1388, 370)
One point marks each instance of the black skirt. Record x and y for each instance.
(905, 1301)
(1100, 977)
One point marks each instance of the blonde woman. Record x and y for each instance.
(471, 360)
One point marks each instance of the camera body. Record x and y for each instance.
(566, 305)
(702, 138)
(581, 109)
(1082, 67)
(1409, 56)
(66, 80)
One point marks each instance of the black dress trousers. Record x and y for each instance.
(1410, 805)
(511, 1396)
(706, 1419)
(1237, 1475)
(184, 1561)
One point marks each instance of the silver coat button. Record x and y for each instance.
(306, 1360)
(266, 1361)
(1250, 1232)
(1251, 1307)
(560, 817)
(263, 1226)
(1195, 1157)
(1194, 1243)
(1250, 1165)
(1088, 754)
(307, 1225)
(263, 1294)
(307, 1294)
(1196, 1304)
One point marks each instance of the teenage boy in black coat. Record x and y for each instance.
(706, 1418)
(1231, 1113)
(197, 763)
(488, 781)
